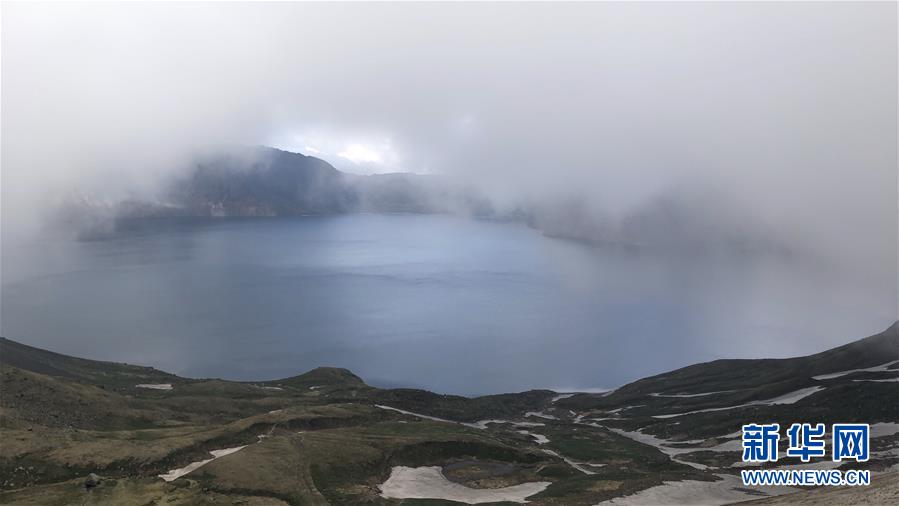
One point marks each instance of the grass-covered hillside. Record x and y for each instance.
(325, 437)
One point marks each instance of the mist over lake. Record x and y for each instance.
(444, 303)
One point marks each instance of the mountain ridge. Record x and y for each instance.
(262, 181)
(866, 352)
(873, 350)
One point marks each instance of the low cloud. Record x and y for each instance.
(784, 112)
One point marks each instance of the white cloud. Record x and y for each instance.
(359, 153)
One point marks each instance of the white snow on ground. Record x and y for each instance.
(791, 397)
(884, 429)
(155, 386)
(426, 417)
(540, 414)
(692, 395)
(891, 380)
(602, 391)
(430, 483)
(884, 454)
(625, 408)
(664, 445)
(477, 425)
(271, 388)
(697, 493)
(877, 368)
(174, 474)
(580, 466)
(275, 411)
(560, 397)
(661, 444)
(788, 398)
(481, 424)
(672, 415)
(316, 387)
(540, 438)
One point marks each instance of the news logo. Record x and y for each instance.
(806, 441)
(760, 442)
(849, 441)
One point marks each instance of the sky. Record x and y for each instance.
(785, 110)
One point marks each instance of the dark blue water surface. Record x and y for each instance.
(444, 303)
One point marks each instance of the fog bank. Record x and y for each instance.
(778, 115)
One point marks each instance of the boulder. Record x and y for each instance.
(92, 481)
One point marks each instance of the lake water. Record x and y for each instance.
(444, 303)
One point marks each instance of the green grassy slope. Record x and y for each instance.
(321, 437)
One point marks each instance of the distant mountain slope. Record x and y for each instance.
(747, 373)
(28, 358)
(334, 382)
(263, 182)
(267, 182)
(758, 378)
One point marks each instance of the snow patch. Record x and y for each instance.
(155, 386)
(580, 466)
(876, 368)
(539, 438)
(692, 395)
(728, 490)
(602, 391)
(560, 397)
(482, 424)
(791, 397)
(884, 429)
(430, 483)
(618, 411)
(661, 445)
(174, 474)
(540, 414)
(788, 398)
(426, 417)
